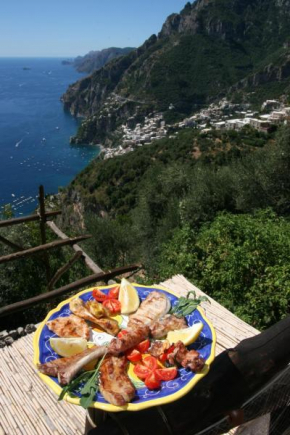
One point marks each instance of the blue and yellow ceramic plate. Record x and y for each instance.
(169, 391)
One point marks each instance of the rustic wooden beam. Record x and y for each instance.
(42, 220)
(63, 269)
(82, 283)
(89, 262)
(33, 217)
(11, 244)
(42, 248)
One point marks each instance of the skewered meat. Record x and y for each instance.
(52, 368)
(151, 309)
(158, 348)
(186, 358)
(69, 327)
(135, 336)
(77, 306)
(169, 322)
(115, 384)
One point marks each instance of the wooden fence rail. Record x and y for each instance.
(44, 297)
(43, 248)
(33, 217)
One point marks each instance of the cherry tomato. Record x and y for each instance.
(99, 295)
(151, 381)
(163, 357)
(150, 362)
(166, 374)
(122, 333)
(112, 305)
(141, 371)
(114, 292)
(133, 355)
(143, 346)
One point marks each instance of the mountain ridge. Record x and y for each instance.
(96, 59)
(199, 55)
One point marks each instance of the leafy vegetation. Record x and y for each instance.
(242, 261)
(114, 185)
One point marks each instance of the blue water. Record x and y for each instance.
(35, 131)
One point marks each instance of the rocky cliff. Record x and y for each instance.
(210, 47)
(95, 60)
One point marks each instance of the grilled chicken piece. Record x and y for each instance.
(156, 305)
(69, 327)
(167, 323)
(77, 306)
(115, 384)
(52, 368)
(135, 336)
(186, 358)
(158, 348)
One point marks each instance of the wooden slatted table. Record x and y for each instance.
(28, 407)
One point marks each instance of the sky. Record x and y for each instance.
(68, 28)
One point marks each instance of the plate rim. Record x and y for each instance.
(130, 406)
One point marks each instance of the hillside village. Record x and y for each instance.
(222, 115)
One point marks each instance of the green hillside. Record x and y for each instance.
(211, 49)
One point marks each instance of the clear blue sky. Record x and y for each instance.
(74, 27)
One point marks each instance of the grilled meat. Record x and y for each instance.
(69, 327)
(109, 325)
(135, 336)
(77, 306)
(68, 371)
(156, 305)
(186, 358)
(115, 384)
(52, 368)
(169, 322)
(158, 348)
(67, 368)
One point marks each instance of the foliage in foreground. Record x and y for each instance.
(242, 261)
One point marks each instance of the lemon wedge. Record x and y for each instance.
(128, 297)
(68, 346)
(187, 335)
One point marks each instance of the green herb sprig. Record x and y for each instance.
(186, 306)
(89, 389)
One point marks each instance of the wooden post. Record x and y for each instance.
(42, 222)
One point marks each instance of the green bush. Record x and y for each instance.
(242, 261)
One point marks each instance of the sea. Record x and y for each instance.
(35, 131)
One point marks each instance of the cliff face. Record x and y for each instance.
(210, 46)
